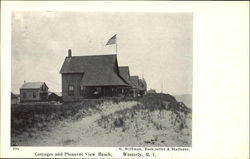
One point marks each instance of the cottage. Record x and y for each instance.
(86, 77)
(33, 91)
(124, 72)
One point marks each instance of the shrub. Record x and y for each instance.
(145, 110)
(119, 122)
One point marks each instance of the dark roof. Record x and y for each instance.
(56, 93)
(135, 81)
(32, 85)
(124, 73)
(98, 70)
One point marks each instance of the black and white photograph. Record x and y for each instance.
(124, 79)
(93, 79)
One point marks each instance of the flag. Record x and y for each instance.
(112, 40)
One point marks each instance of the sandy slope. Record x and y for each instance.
(84, 132)
(139, 131)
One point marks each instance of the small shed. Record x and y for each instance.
(55, 96)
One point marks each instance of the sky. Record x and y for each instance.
(157, 46)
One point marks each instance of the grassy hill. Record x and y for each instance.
(154, 120)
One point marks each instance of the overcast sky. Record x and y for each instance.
(158, 45)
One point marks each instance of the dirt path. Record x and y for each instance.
(84, 132)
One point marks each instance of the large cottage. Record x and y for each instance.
(85, 77)
(33, 91)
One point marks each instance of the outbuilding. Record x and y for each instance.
(55, 96)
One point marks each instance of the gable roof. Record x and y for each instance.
(97, 70)
(135, 81)
(56, 93)
(124, 72)
(33, 85)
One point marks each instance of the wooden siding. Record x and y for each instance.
(41, 94)
(75, 81)
(29, 94)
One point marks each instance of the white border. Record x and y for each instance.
(220, 68)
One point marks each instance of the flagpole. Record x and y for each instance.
(161, 86)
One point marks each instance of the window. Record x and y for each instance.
(24, 94)
(34, 94)
(71, 90)
(82, 90)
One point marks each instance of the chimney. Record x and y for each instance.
(69, 53)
